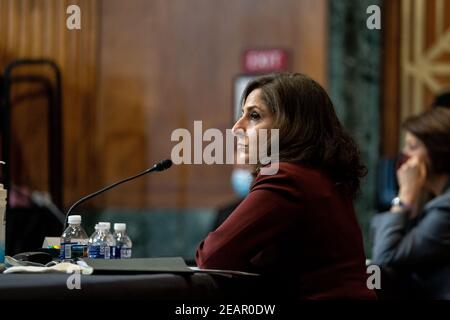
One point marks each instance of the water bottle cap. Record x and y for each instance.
(106, 224)
(76, 219)
(120, 226)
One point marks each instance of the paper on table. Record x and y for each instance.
(224, 272)
(152, 265)
(64, 267)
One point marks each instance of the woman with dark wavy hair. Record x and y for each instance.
(411, 242)
(297, 227)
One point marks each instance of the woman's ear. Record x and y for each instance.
(425, 162)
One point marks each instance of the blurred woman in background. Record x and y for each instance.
(412, 241)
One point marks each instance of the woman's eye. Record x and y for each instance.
(255, 116)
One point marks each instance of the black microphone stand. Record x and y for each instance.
(160, 166)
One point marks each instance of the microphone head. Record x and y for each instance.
(163, 165)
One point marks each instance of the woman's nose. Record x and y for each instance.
(239, 127)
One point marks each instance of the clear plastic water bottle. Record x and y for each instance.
(110, 239)
(74, 240)
(99, 246)
(123, 241)
(92, 237)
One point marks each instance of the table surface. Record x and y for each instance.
(159, 286)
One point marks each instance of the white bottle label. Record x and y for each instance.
(125, 252)
(76, 248)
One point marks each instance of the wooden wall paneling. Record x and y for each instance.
(132, 75)
(165, 64)
(425, 48)
(37, 29)
(416, 62)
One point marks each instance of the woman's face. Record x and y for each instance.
(255, 115)
(415, 147)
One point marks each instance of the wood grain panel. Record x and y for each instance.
(178, 66)
(37, 29)
(416, 64)
(136, 71)
(391, 78)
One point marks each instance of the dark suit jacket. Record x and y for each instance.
(295, 227)
(419, 248)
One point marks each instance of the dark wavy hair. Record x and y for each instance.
(310, 132)
(432, 127)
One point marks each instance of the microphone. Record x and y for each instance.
(158, 167)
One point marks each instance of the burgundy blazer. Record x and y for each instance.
(295, 224)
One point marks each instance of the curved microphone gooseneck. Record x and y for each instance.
(160, 166)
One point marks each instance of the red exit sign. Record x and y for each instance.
(265, 60)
